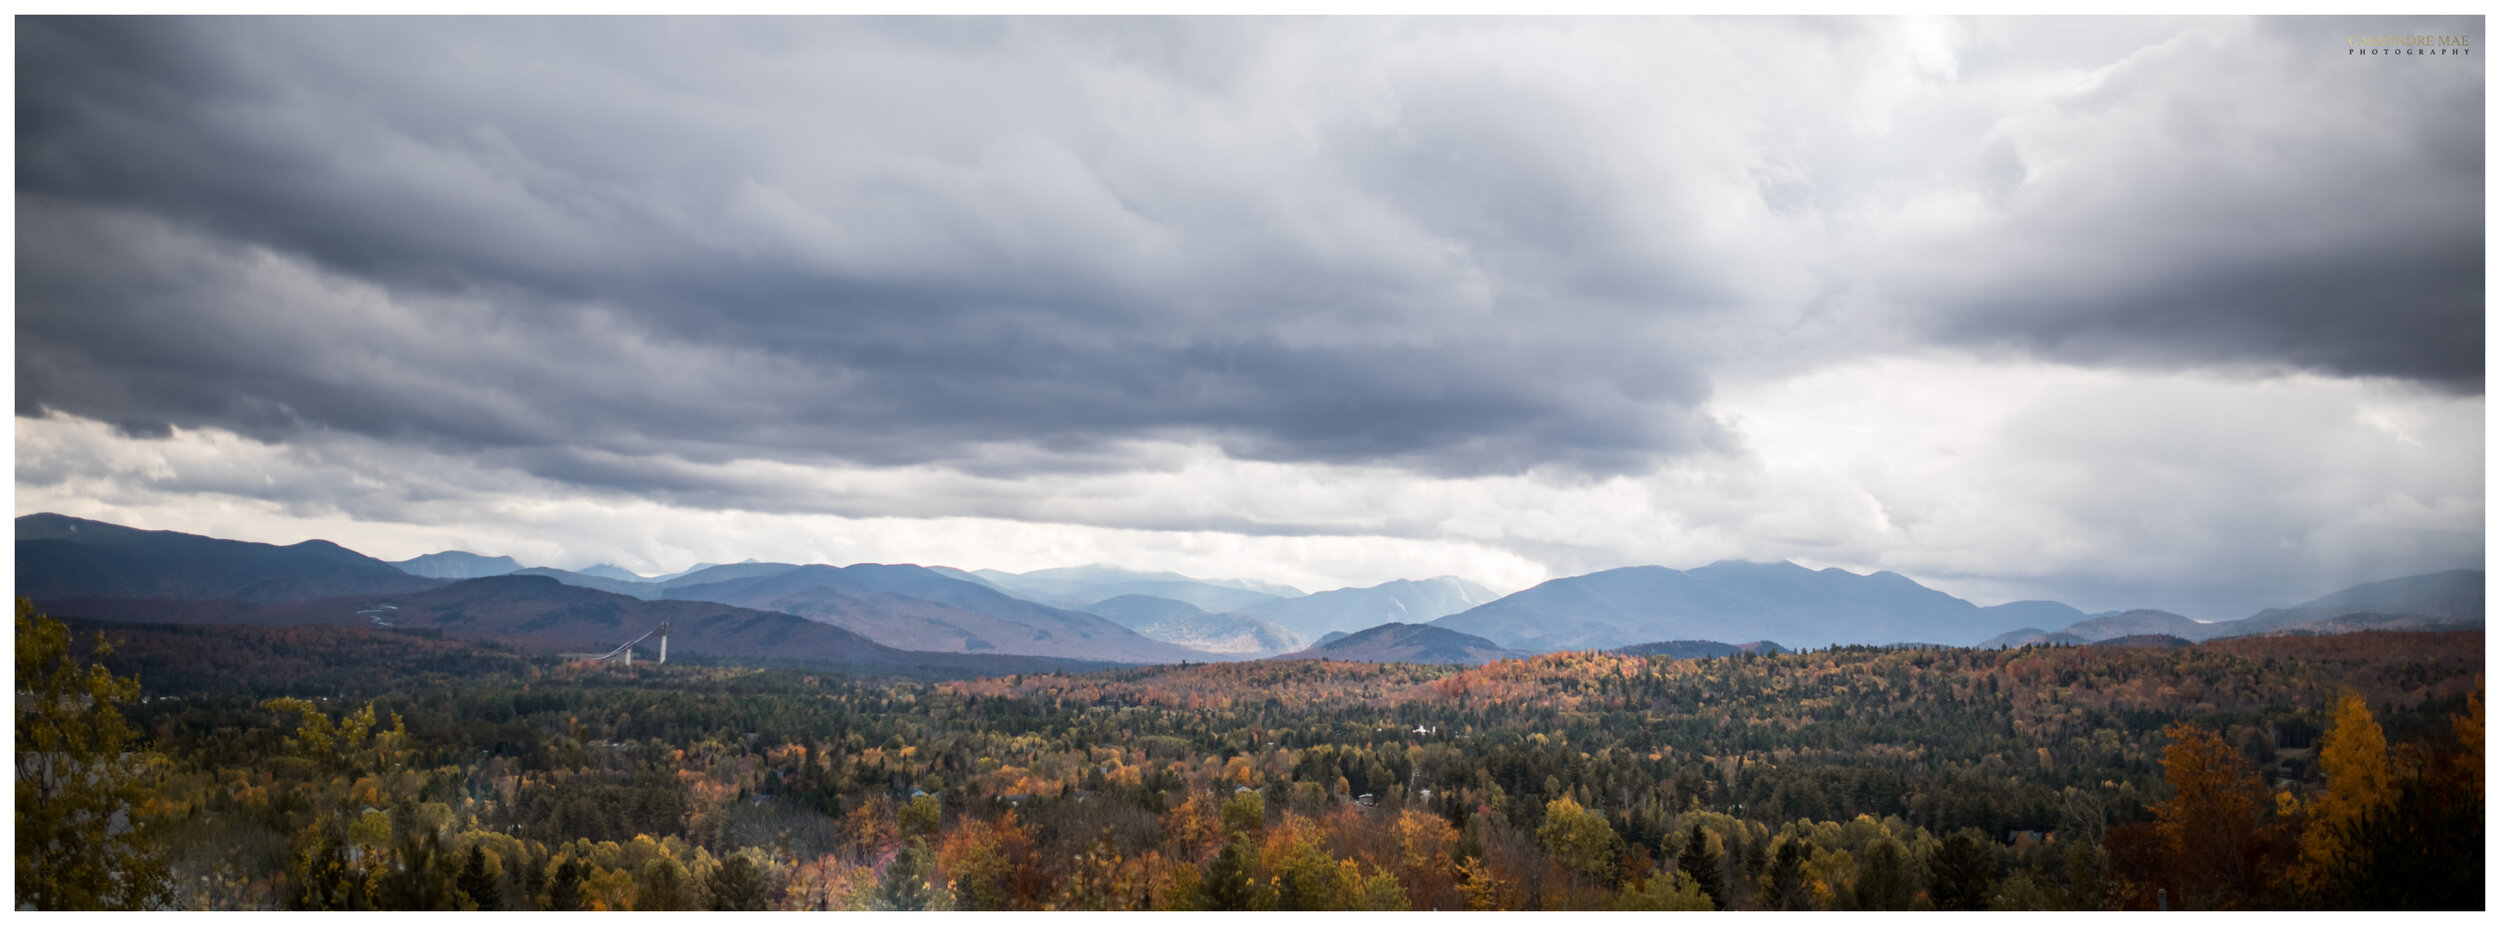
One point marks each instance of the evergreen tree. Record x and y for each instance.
(1960, 873)
(1700, 862)
(477, 884)
(2086, 885)
(1788, 877)
(1231, 883)
(905, 883)
(533, 884)
(564, 890)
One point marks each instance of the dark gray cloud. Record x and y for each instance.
(598, 249)
(2242, 194)
(879, 242)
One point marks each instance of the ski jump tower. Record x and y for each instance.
(624, 655)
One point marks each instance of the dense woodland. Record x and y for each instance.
(358, 768)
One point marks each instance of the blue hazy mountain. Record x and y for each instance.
(2031, 636)
(62, 557)
(2441, 600)
(609, 571)
(2034, 613)
(1782, 602)
(1187, 625)
(1076, 586)
(909, 607)
(2451, 600)
(456, 564)
(657, 586)
(1350, 609)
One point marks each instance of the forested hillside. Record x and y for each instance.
(408, 772)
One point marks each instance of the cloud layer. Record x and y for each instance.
(1530, 289)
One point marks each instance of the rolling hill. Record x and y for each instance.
(456, 564)
(1417, 643)
(60, 557)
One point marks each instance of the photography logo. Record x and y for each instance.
(2407, 45)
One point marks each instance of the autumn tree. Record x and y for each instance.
(1486, 890)
(735, 885)
(2209, 826)
(2420, 848)
(991, 865)
(2353, 754)
(1579, 840)
(1424, 869)
(77, 779)
(1192, 829)
(1666, 889)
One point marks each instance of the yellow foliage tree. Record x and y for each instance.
(2353, 754)
(77, 847)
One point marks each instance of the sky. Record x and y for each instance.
(2121, 312)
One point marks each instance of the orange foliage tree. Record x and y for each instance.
(2210, 827)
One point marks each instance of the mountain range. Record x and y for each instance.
(61, 556)
(1102, 614)
(910, 607)
(536, 612)
(1183, 623)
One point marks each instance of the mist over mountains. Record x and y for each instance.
(1106, 615)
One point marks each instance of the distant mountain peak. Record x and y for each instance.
(457, 564)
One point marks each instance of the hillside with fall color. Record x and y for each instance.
(409, 770)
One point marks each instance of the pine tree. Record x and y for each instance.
(477, 884)
(1788, 877)
(905, 884)
(1700, 862)
(1229, 883)
(564, 892)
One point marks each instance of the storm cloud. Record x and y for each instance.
(1167, 274)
